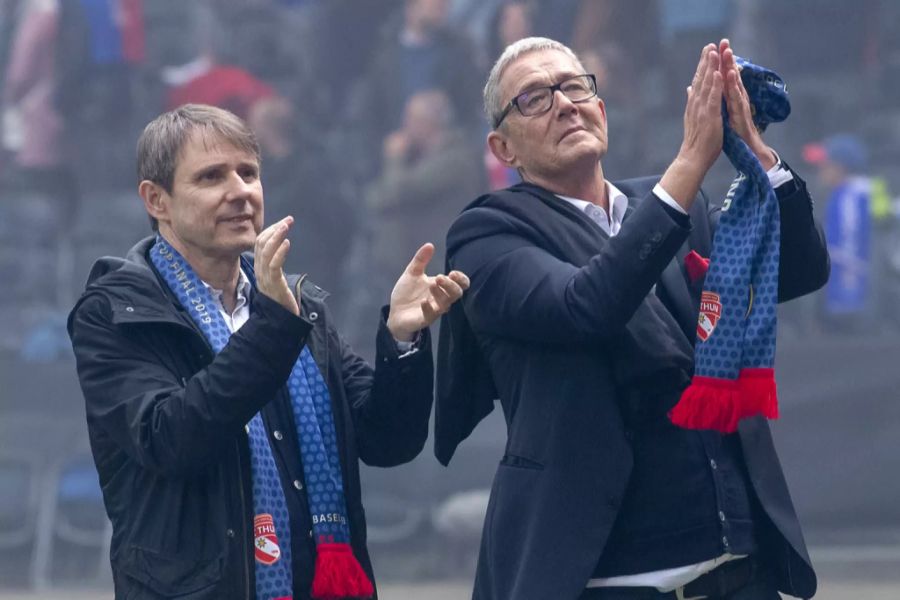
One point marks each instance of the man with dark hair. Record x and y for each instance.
(226, 414)
(582, 318)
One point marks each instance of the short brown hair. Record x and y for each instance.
(163, 138)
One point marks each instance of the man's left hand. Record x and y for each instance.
(740, 116)
(418, 300)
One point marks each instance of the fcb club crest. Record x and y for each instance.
(710, 313)
(265, 541)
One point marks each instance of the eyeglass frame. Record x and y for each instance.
(553, 89)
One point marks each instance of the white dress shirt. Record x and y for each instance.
(241, 313)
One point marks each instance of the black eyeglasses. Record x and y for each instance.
(537, 101)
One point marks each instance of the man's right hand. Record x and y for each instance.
(270, 251)
(703, 131)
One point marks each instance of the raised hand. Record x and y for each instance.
(702, 141)
(740, 112)
(703, 131)
(418, 300)
(270, 251)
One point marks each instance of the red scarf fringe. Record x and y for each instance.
(720, 404)
(339, 575)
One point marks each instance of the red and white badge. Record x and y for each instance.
(710, 313)
(266, 542)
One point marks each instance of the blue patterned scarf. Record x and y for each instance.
(734, 358)
(337, 572)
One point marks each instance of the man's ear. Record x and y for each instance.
(602, 105)
(156, 200)
(502, 149)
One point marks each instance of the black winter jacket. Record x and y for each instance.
(166, 423)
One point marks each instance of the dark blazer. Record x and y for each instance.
(553, 302)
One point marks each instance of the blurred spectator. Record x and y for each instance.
(100, 47)
(512, 21)
(33, 126)
(556, 19)
(686, 25)
(619, 41)
(335, 41)
(613, 26)
(548, 18)
(254, 36)
(204, 81)
(842, 160)
(418, 52)
(430, 173)
(301, 181)
(625, 112)
(39, 193)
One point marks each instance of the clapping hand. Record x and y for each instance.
(269, 253)
(418, 300)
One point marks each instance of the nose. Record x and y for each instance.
(563, 104)
(238, 188)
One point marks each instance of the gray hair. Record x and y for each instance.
(493, 103)
(164, 137)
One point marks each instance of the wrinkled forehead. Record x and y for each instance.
(204, 144)
(536, 68)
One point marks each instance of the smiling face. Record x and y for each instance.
(215, 208)
(568, 136)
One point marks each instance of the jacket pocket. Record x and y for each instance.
(520, 462)
(165, 576)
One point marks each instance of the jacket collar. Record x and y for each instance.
(134, 290)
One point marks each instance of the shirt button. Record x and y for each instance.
(247, 428)
(277, 435)
(310, 533)
(313, 316)
(229, 533)
(297, 484)
(721, 516)
(725, 541)
(129, 308)
(656, 237)
(712, 463)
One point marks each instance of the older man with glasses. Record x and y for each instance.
(581, 319)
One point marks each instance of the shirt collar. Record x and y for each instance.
(242, 291)
(618, 202)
